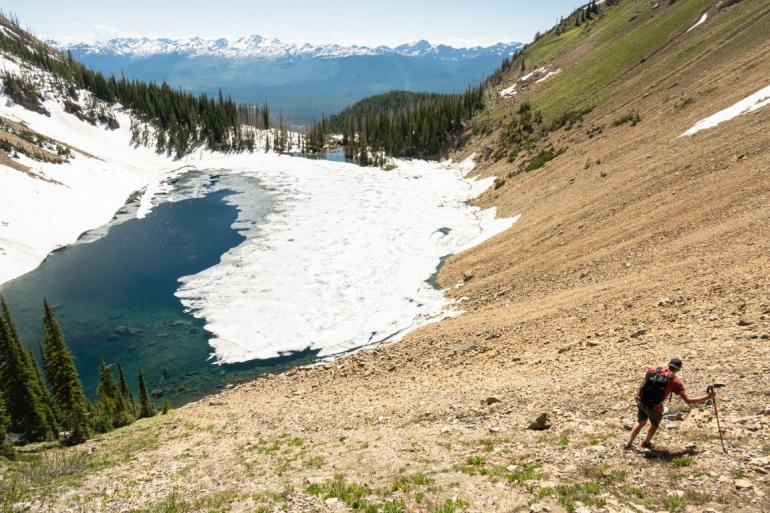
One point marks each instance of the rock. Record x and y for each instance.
(490, 401)
(217, 403)
(743, 484)
(463, 348)
(743, 321)
(638, 333)
(494, 429)
(540, 423)
(467, 275)
(486, 152)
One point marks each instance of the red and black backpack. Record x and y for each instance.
(653, 389)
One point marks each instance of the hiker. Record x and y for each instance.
(659, 383)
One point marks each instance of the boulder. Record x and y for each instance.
(540, 423)
(743, 484)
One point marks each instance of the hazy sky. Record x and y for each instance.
(456, 22)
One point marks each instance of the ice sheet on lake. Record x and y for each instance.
(343, 260)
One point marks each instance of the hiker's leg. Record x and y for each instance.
(655, 418)
(650, 433)
(635, 430)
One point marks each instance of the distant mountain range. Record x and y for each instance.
(303, 81)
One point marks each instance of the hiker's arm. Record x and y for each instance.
(699, 400)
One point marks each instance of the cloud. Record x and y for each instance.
(102, 33)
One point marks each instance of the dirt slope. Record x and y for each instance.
(633, 246)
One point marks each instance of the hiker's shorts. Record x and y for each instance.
(645, 412)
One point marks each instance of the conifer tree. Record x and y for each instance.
(29, 415)
(49, 406)
(112, 405)
(5, 421)
(146, 409)
(66, 389)
(125, 391)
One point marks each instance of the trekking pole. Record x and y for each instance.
(710, 389)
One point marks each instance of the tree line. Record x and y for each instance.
(182, 120)
(399, 124)
(52, 405)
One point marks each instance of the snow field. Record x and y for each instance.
(749, 104)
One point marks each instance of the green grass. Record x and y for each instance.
(488, 445)
(450, 506)
(352, 494)
(631, 118)
(406, 482)
(621, 45)
(682, 461)
(674, 503)
(218, 502)
(525, 473)
(569, 494)
(539, 160)
(636, 492)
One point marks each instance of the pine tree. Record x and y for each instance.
(125, 391)
(29, 415)
(113, 406)
(50, 410)
(66, 389)
(5, 422)
(146, 408)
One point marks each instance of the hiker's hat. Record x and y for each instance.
(675, 363)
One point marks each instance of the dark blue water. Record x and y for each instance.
(335, 155)
(115, 299)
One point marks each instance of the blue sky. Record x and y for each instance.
(345, 21)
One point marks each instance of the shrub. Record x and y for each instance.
(569, 118)
(24, 92)
(541, 158)
(632, 117)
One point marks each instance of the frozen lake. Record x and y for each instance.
(237, 265)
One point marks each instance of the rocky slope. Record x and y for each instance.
(634, 245)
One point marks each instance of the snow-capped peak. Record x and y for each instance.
(256, 46)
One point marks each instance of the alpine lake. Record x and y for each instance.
(113, 293)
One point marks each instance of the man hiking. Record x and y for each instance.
(658, 384)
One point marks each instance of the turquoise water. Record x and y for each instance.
(115, 298)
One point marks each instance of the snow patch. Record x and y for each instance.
(531, 74)
(548, 75)
(751, 103)
(508, 91)
(700, 21)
